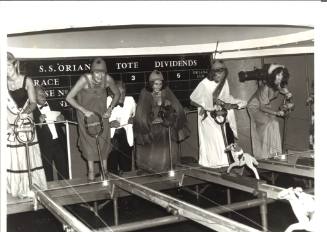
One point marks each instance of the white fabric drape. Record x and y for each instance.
(211, 141)
(122, 114)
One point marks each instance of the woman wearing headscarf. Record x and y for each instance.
(158, 111)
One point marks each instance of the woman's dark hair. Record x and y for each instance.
(272, 77)
(149, 84)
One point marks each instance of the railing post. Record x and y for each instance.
(68, 150)
(264, 211)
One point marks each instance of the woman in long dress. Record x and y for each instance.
(205, 96)
(158, 111)
(265, 133)
(89, 97)
(21, 102)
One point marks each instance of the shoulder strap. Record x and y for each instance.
(87, 80)
(24, 82)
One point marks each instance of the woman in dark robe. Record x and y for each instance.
(158, 111)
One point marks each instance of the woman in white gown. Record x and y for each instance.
(211, 139)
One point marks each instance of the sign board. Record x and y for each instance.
(182, 73)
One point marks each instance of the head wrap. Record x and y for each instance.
(218, 64)
(156, 75)
(272, 67)
(99, 65)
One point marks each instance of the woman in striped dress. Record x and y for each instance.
(21, 91)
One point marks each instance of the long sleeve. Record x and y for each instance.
(202, 94)
(180, 124)
(228, 98)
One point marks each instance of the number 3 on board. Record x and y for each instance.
(133, 77)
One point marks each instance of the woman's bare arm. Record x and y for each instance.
(71, 96)
(114, 89)
(31, 96)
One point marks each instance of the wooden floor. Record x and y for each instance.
(75, 191)
(296, 163)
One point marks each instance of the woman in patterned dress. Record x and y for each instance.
(20, 92)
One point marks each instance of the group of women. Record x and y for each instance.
(160, 121)
(158, 113)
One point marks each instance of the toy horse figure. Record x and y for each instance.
(240, 158)
(303, 208)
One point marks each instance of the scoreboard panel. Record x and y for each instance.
(182, 73)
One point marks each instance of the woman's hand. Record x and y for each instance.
(107, 114)
(157, 120)
(288, 95)
(11, 134)
(242, 104)
(23, 115)
(167, 103)
(280, 113)
(60, 118)
(115, 124)
(216, 108)
(42, 118)
(88, 113)
(130, 120)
